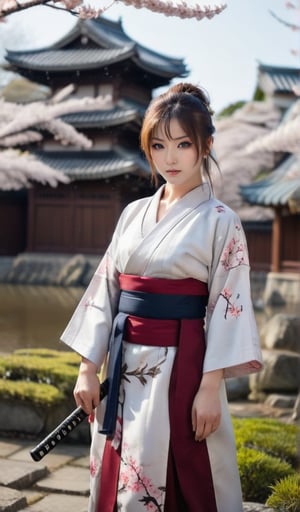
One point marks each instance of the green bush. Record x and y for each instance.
(38, 369)
(286, 494)
(39, 394)
(268, 436)
(258, 471)
(228, 111)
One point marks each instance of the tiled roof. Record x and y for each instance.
(73, 59)
(282, 187)
(92, 165)
(103, 118)
(278, 78)
(114, 46)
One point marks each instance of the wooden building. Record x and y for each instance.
(97, 57)
(281, 191)
(277, 83)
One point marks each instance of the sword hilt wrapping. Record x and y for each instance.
(63, 429)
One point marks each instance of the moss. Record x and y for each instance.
(258, 472)
(228, 111)
(51, 373)
(268, 436)
(285, 495)
(39, 394)
(259, 95)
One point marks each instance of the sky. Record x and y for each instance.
(221, 54)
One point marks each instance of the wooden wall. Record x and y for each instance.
(79, 217)
(72, 219)
(13, 222)
(259, 240)
(290, 243)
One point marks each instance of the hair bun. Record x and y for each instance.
(199, 93)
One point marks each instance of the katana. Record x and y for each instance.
(64, 428)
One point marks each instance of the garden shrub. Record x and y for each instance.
(269, 436)
(258, 471)
(39, 394)
(39, 369)
(286, 494)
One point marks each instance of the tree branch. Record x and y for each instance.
(168, 8)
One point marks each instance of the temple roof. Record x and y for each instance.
(280, 188)
(122, 113)
(95, 44)
(92, 165)
(278, 79)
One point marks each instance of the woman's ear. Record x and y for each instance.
(210, 141)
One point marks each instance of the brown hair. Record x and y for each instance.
(191, 107)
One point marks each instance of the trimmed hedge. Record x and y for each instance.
(39, 394)
(258, 472)
(41, 375)
(268, 436)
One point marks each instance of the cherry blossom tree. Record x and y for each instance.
(21, 125)
(294, 24)
(167, 7)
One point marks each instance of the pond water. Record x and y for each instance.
(35, 316)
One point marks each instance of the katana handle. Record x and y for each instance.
(63, 429)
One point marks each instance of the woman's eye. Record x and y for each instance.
(185, 144)
(156, 145)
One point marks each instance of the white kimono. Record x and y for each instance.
(202, 238)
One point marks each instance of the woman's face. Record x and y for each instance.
(175, 158)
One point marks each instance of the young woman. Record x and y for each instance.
(170, 302)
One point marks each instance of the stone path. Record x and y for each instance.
(57, 483)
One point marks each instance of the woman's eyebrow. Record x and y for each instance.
(173, 138)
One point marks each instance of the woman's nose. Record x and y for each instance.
(170, 157)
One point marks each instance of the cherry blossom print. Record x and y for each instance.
(104, 265)
(118, 433)
(141, 373)
(220, 208)
(132, 478)
(235, 253)
(88, 302)
(232, 308)
(94, 466)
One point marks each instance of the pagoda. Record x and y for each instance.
(97, 58)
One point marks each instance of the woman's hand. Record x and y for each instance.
(206, 409)
(87, 387)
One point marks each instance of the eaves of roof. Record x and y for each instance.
(107, 34)
(114, 45)
(279, 189)
(93, 165)
(283, 79)
(67, 60)
(103, 118)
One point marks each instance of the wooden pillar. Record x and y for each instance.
(30, 220)
(276, 241)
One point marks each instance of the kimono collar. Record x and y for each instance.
(189, 201)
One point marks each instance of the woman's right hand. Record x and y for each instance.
(87, 387)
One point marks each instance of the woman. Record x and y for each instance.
(173, 289)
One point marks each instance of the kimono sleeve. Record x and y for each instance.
(88, 331)
(232, 340)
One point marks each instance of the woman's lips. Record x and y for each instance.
(172, 172)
